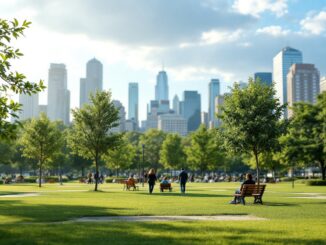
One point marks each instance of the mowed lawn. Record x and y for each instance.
(46, 217)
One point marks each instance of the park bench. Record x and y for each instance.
(129, 184)
(251, 190)
(165, 187)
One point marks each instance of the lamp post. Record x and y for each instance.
(143, 150)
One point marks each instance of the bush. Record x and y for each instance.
(116, 180)
(48, 179)
(316, 182)
(287, 179)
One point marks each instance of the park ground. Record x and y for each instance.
(45, 215)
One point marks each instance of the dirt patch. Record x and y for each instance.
(21, 195)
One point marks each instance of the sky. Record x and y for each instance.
(194, 40)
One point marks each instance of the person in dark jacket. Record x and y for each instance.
(151, 180)
(183, 177)
(248, 181)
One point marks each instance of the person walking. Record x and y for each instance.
(183, 177)
(151, 180)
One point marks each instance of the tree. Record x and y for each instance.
(152, 141)
(172, 154)
(90, 135)
(250, 119)
(120, 157)
(41, 141)
(204, 153)
(12, 81)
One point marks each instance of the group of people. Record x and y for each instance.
(97, 177)
(152, 178)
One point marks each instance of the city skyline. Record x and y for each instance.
(226, 40)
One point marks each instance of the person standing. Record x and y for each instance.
(183, 177)
(151, 180)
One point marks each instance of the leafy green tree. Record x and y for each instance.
(12, 81)
(152, 141)
(172, 154)
(6, 152)
(120, 157)
(41, 140)
(90, 135)
(251, 120)
(133, 138)
(204, 152)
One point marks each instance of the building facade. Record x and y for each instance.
(176, 105)
(172, 123)
(161, 87)
(322, 84)
(281, 65)
(122, 117)
(30, 107)
(191, 109)
(58, 94)
(219, 101)
(133, 102)
(302, 84)
(265, 77)
(213, 92)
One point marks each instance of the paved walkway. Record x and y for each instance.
(168, 218)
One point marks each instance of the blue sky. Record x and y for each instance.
(195, 39)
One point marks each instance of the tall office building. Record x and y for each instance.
(219, 101)
(176, 105)
(281, 65)
(213, 91)
(161, 87)
(322, 84)
(191, 109)
(133, 102)
(58, 94)
(302, 84)
(93, 81)
(204, 119)
(265, 77)
(172, 123)
(122, 117)
(30, 107)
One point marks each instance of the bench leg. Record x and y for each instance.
(242, 200)
(258, 199)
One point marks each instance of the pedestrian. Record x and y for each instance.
(151, 180)
(183, 177)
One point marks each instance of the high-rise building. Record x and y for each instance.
(176, 105)
(191, 109)
(213, 91)
(122, 117)
(265, 77)
(219, 101)
(323, 84)
(30, 108)
(281, 65)
(133, 102)
(161, 87)
(58, 94)
(302, 84)
(93, 81)
(43, 109)
(172, 123)
(204, 119)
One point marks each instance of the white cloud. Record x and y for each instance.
(256, 7)
(276, 31)
(315, 24)
(213, 36)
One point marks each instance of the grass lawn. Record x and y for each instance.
(291, 220)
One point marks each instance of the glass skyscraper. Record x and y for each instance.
(161, 87)
(265, 77)
(214, 91)
(133, 102)
(191, 109)
(281, 65)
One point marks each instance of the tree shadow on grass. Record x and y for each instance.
(52, 212)
(280, 204)
(175, 194)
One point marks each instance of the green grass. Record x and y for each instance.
(27, 220)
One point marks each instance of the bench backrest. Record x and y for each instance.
(249, 189)
(165, 185)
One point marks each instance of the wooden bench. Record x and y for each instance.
(256, 191)
(129, 184)
(165, 187)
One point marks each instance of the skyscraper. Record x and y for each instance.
(58, 94)
(122, 117)
(213, 91)
(93, 81)
(133, 102)
(265, 77)
(302, 84)
(322, 84)
(191, 109)
(176, 105)
(161, 87)
(30, 107)
(281, 65)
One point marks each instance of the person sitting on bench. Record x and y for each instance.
(165, 181)
(131, 182)
(249, 181)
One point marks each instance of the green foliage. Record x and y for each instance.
(152, 141)
(12, 81)
(41, 141)
(204, 152)
(172, 154)
(90, 135)
(316, 182)
(251, 119)
(6, 152)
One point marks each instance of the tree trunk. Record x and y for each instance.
(117, 172)
(257, 166)
(96, 172)
(323, 170)
(40, 176)
(83, 171)
(60, 174)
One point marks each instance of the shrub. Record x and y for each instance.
(116, 180)
(286, 179)
(316, 182)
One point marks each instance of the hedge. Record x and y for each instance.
(316, 182)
